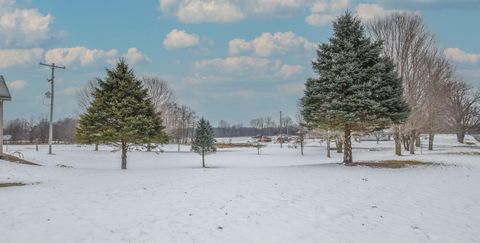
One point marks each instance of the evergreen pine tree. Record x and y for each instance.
(204, 141)
(121, 112)
(356, 88)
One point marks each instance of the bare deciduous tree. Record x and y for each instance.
(258, 123)
(413, 49)
(436, 92)
(85, 96)
(160, 93)
(463, 108)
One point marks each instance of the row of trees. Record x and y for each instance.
(268, 126)
(438, 99)
(258, 126)
(36, 131)
(391, 74)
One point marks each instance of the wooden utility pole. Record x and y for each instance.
(52, 83)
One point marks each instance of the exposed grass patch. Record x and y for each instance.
(14, 159)
(236, 145)
(393, 164)
(11, 184)
(464, 153)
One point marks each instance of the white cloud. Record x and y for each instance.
(134, 56)
(458, 55)
(223, 11)
(242, 68)
(370, 11)
(320, 19)
(23, 27)
(17, 85)
(79, 56)
(290, 70)
(19, 57)
(208, 11)
(321, 6)
(238, 46)
(323, 12)
(180, 39)
(239, 65)
(268, 44)
(273, 7)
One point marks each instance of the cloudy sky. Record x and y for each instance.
(227, 59)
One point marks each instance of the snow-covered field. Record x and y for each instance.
(278, 196)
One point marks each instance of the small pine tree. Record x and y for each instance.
(121, 112)
(356, 89)
(204, 141)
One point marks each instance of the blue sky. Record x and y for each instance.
(228, 59)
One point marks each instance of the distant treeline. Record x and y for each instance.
(23, 131)
(221, 132)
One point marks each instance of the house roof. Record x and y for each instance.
(4, 93)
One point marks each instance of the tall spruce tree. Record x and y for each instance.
(204, 141)
(356, 88)
(121, 112)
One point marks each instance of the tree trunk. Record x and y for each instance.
(178, 145)
(460, 136)
(431, 136)
(96, 147)
(347, 150)
(405, 140)
(417, 141)
(124, 155)
(398, 143)
(339, 145)
(328, 148)
(203, 159)
(149, 147)
(412, 142)
(301, 147)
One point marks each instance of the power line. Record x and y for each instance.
(52, 82)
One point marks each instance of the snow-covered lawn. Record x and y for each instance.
(278, 196)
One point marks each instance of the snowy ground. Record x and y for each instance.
(278, 196)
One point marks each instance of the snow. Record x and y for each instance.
(278, 196)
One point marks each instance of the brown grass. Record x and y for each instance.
(464, 153)
(14, 159)
(11, 184)
(392, 164)
(235, 145)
